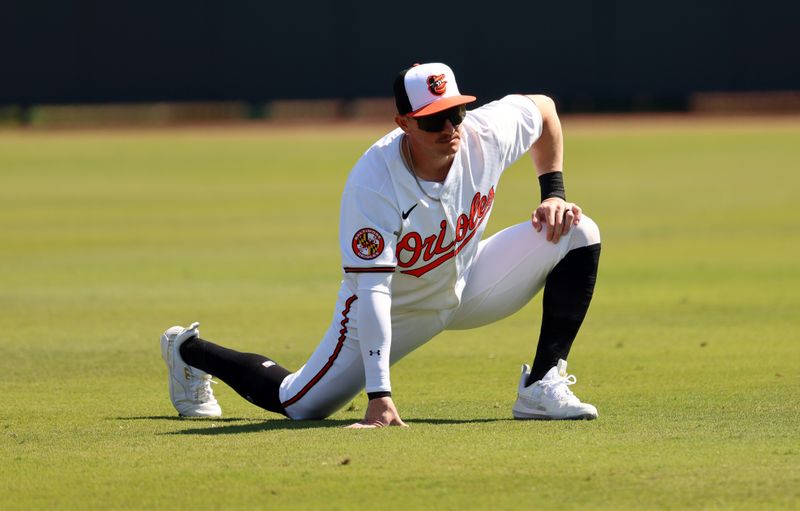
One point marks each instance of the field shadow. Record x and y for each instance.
(261, 425)
(178, 418)
(457, 421)
(233, 425)
(213, 428)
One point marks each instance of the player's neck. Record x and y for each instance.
(427, 165)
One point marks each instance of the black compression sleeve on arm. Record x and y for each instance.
(552, 185)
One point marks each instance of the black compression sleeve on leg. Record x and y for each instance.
(567, 294)
(254, 377)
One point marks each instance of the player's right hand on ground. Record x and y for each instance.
(380, 412)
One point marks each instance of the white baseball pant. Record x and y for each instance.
(507, 272)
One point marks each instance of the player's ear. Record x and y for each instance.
(402, 121)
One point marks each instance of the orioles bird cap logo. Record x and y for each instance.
(437, 84)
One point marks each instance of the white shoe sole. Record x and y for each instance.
(533, 416)
(197, 415)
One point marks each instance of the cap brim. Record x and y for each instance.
(442, 104)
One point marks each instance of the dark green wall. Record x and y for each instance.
(588, 54)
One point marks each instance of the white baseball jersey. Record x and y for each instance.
(390, 227)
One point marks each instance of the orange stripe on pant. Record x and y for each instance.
(331, 359)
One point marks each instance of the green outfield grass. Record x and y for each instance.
(690, 350)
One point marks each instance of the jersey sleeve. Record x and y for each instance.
(368, 226)
(515, 123)
(367, 231)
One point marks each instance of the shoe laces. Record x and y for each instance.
(558, 387)
(201, 388)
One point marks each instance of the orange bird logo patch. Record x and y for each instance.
(437, 84)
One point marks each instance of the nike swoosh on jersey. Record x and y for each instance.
(405, 214)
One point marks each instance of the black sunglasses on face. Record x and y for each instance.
(434, 123)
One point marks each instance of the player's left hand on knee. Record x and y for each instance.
(557, 215)
(380, 412)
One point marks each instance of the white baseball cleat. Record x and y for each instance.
(550, 397)
(189, 387)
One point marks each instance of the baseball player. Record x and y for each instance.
(413, 213)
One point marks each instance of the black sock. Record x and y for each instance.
(567, 294)
(244, 372)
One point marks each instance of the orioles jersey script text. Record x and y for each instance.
(433, 250)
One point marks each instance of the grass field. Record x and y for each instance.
(690, 350)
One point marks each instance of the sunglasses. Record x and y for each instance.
(434, 123)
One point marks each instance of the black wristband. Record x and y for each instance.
(376, 395)
(552, 185)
